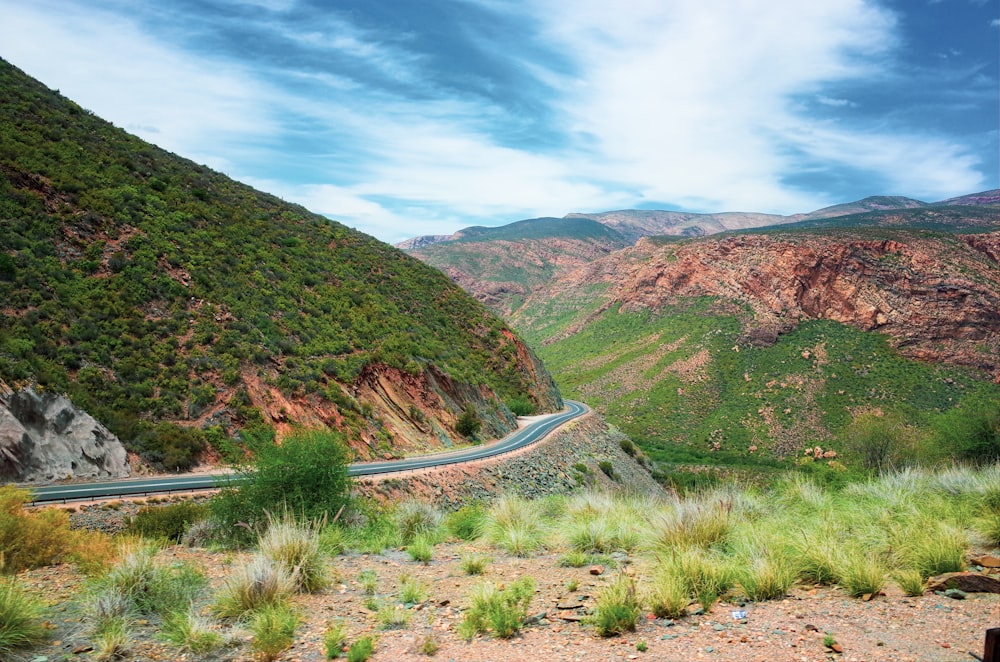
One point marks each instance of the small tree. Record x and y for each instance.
(468, 424)
(306, 475)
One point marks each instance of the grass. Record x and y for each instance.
(498, 610)
(273, 628)
(190, 632)
(295, 546)
(516, 526)
(616, 608)
(411, 591)
(421, 549)
(767, 576)
(111, 639)
(393, 617)
(21, 617)
(149, 586)
(334, 638)
(668, 595)
(369, 582)
(361, 649)
(910, 581)
(259, 583)
(416, 518)
(474, 564)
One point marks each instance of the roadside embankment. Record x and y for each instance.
(569, 458)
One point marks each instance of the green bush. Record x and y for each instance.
(608, 469)
(306, 474)
(333, 639)
(167, 522)
(469, 423)
(521, 406)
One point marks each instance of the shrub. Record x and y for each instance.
(31, 539)
(361, 650)
(498, 610)
(521, 406)
(607, 468)
(306, 475)
(254, 585)
(616, 609)
(628, 446)
(273, 627)
(21, 623)
(468, 424)
(295, 545)
(167, 522)
(333, 639)
(880, 443)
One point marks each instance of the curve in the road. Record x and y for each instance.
(517, 439)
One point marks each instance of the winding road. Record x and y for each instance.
(518, 439)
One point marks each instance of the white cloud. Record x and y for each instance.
(107, 64)
(836, 103)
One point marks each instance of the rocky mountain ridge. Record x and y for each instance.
(936, 296)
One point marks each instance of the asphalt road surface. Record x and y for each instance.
(518, 439)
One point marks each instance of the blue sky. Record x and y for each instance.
(413, 117)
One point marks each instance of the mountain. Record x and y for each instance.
(748, 346)
(164, 298)
(501, 266)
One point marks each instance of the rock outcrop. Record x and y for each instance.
(43, 437)
(937, 297)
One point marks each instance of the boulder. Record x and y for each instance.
(968, 582)
(44, 438)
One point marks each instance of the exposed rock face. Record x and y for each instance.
(937, 297)
(43, 437)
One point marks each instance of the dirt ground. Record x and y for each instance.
(890, 627)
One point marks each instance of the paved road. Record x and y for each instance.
(523, 437)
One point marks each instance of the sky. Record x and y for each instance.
(413, 117)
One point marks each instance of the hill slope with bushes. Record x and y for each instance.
(165, 298)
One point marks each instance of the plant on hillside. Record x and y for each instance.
(296, 546)
(169, 522)
(189, 631)
(467, 522)
(498, 610)
(515, 525)
(273, 628)
(617, 608)
(668, 594)
(253, 585)
(306, 474)
(21, 624)
(469, 423)
(334, 638)
(415, 518)
(361, 649)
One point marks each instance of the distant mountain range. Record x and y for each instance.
(632, 224)
(739, 333)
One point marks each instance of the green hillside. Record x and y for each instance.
(152, 289)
